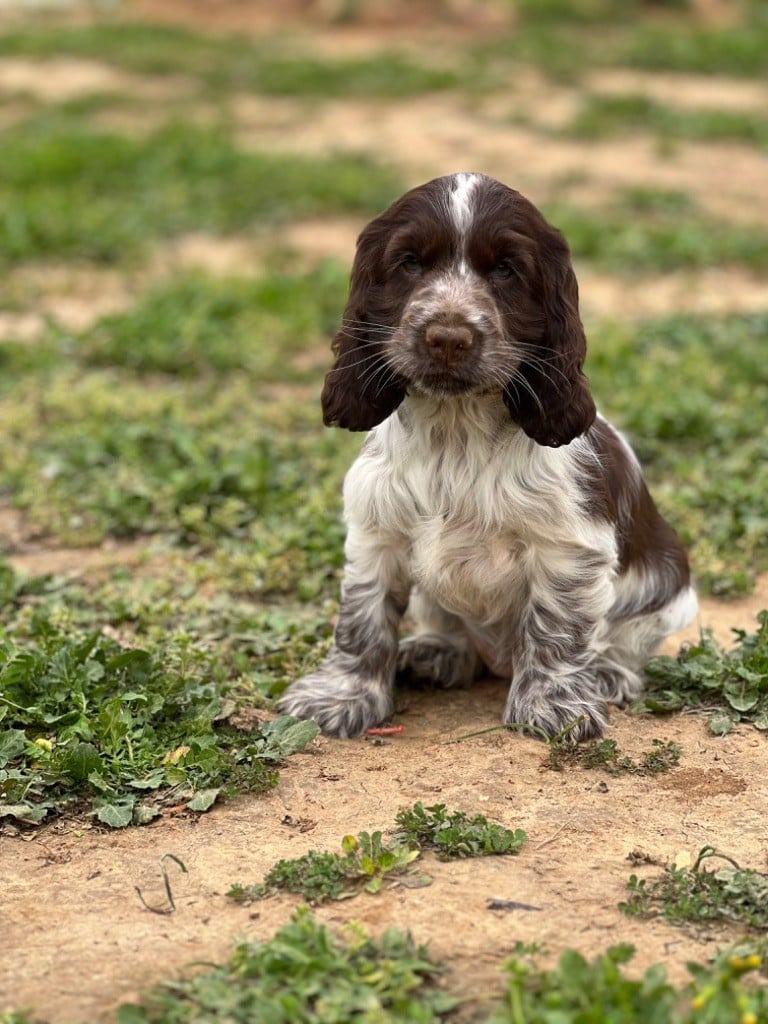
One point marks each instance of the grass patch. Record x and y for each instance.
(697, 896)
(650, 231)
(732, 685)
(307, 975)
(453, 834)
(68, 192)
(690, 392)
(605, 754)
(195, 324)
(104, 455)
(120, 733)
(99, 444)
(366, 862)
(233, 62)
(601, 116)
(739, 49)
(579, 991)
(568, 38)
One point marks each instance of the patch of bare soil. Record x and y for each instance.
(59, 79)
(73, 296)
(33, 558)
(675, 89)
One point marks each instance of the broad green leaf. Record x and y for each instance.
(203, 800)
(116, 815)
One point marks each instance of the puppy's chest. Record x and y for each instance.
(470, 545)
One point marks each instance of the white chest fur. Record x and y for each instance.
(476, 505)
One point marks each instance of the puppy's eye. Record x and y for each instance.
(411, 265)
(502, 271)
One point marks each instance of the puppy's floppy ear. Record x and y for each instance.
(552, 402)
(361, 389)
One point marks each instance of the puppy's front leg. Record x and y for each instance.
(352, 689)
(556, 680)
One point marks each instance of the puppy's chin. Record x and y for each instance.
(444, 385)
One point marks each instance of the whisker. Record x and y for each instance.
(358, 362)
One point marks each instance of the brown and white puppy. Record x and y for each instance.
(489, 498)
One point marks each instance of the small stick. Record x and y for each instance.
(385, 730)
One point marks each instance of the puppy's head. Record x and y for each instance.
(462, 287)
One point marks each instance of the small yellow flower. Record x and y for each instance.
(748, 1018)
(44, 744)
(753, 961)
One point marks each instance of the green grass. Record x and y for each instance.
(118, 731)
(601, 116)
(569, 38)
(695, 895)
(454, 834)
(690, 392)
(68, 192)
(644, 231)
(731, 685)
(740, 49)
(233, 62)
(176, 430)
(307, 975)
(366, 861)
(601, 991)
(195, 324)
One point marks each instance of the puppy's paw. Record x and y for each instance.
(574, 709)
(430, 658)
(343, 704)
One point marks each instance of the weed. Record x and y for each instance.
(732, 685)
(307, 975)
(454, 834)
(365, 863)
(578, 991)
(697, 896)
(604, 754)
(118, 732)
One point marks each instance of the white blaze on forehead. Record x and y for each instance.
(460, 200)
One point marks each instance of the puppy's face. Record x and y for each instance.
(458, 286)
(462, 287)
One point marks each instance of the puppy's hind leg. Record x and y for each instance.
(440, 652)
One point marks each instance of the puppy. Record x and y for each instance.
(489, 499)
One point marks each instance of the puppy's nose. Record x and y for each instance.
(452, 341)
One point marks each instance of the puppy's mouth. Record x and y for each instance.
(440, 384)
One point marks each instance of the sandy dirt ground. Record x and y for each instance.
(76, 939)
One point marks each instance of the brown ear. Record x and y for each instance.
(361, 389)
(552, 402)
